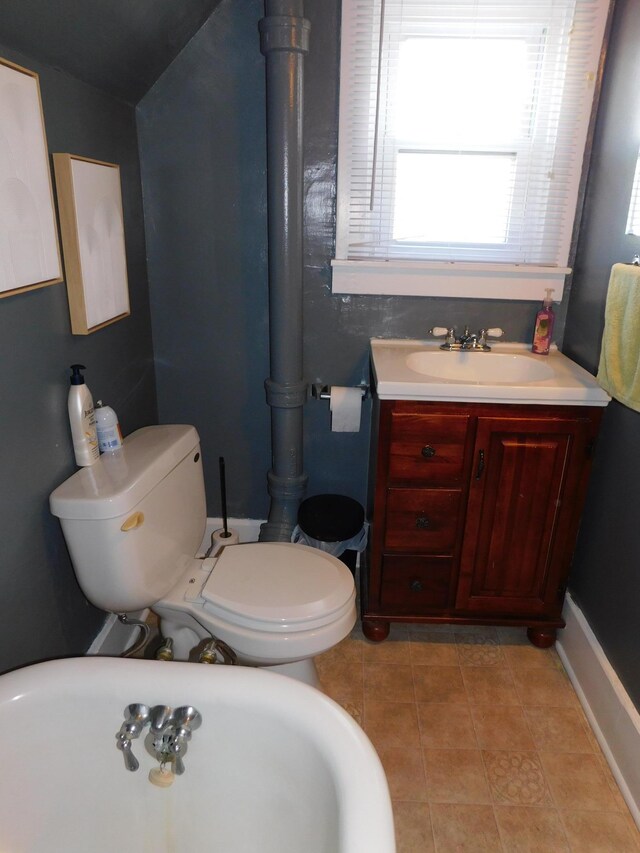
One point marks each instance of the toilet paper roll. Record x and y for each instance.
(218, 539)
(345, 406)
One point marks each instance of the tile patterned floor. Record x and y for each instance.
(484, 742)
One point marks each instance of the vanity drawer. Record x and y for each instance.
(427, 448)
(415, 585)
(423, 520)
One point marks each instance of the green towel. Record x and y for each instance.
(619, 368)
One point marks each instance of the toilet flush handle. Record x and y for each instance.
(135, 520)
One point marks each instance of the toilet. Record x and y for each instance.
(134, 522)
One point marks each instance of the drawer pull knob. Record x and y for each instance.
(422, 522)
(416, 586)
(428, 452)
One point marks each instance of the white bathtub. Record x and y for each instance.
(276, 766)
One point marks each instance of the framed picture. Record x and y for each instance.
(29, 251)
(92, 226)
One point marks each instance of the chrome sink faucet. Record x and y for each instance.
(474, 342)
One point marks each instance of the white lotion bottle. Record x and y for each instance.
(82, 419)
(108, 427)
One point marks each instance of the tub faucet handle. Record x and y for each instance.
(135, 719)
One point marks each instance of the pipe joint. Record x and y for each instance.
(290, 488)
(288, 395)
(284, 33)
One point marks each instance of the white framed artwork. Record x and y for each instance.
(92, 225)
(29, 251)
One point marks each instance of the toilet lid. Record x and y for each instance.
(278, 583)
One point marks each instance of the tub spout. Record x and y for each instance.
(170, 733)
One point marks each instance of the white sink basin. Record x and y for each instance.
(487, 368)
(510, 373)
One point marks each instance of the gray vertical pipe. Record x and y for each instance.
(284, 41)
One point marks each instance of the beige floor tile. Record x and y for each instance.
(456, 776)
(501, 727)
(430, 648)
(531, 830)
(404, 769)
(558, 729)
(490, 685)
(464, 829)
(446, 726)
(439, 684)
(478, 650)
(531, 657)
(413, 827)
(600, 832)
(516, 778)
(577, 782)
(389, 651)
(349, 649)
(341, 679)
(391, 724)
(388, 681)
(541, 686)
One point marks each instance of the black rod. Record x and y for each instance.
(223, 497)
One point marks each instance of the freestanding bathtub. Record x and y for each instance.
(275, 767)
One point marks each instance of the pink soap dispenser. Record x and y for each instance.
(545, 319)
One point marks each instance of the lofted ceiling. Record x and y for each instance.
(119, 46)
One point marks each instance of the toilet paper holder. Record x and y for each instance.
(323, 392)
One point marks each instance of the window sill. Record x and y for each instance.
(453, 280)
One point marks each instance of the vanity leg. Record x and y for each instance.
(542, 638)
(375, 630)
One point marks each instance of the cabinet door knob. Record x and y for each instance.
(416, 586)
(422, 522)
(428, 452)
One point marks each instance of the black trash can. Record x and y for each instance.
(334, 524)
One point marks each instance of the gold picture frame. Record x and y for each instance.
(92, 227)
(29, 248)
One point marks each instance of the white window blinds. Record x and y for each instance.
(462, 128)
(633, 220)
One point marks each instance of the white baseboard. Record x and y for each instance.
(612, 714)
(114, 637)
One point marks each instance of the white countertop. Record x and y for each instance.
(510, 373)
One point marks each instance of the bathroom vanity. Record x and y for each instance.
(476, 501)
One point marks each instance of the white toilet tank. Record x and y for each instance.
(135, 519)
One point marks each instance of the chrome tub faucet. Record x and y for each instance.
(169, 734)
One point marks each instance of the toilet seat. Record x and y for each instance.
(278, 587)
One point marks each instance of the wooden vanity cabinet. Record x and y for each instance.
(475, 513)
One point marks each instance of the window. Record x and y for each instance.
(462, 131)
(633, 221)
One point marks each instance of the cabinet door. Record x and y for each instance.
(520, 515)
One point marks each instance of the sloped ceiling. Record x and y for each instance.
(119, 46)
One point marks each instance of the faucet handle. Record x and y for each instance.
(135, 719)
(495, 332)
(440, 331)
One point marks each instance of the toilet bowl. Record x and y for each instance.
(133, 522)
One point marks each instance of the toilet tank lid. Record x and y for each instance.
(120, 479)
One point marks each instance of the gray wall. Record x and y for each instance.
(44, 613)
(605, 578)
(202, 152)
